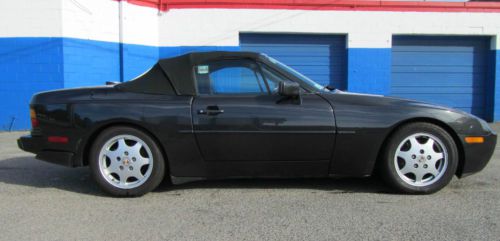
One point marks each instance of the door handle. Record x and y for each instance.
(211, 110)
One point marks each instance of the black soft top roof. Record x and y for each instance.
(175, 75)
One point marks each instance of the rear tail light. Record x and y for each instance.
(34, 120)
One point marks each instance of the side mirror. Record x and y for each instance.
(289, 89)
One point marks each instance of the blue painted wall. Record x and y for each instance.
(31, 65)
(88, 63)
(27, 66)
(137, 59)
(369, 70)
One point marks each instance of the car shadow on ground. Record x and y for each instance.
(334, 186)
(27, 171)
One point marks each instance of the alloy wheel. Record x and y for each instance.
(125, 161)
(421, 159)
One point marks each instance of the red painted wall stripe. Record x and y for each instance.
(353, 5)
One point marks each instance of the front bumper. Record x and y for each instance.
(35, 144)
(477, 156)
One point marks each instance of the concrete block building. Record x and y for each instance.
(445, 53)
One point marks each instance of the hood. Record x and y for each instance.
(398, 109)
(378, 100)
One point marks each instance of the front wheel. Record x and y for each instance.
(126, 162)
(419, 158)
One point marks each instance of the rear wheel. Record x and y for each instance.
(126, 162)
(419, 158)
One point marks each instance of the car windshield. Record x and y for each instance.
(304, 79)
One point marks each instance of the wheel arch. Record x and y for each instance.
(446, 127)
(96, 132)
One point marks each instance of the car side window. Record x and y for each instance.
(273, 78)
(230, 77)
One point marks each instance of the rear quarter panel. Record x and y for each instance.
(166, 118)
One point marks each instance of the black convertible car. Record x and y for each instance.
(242, 114)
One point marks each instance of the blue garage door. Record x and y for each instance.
(320, 57)
(450, 71)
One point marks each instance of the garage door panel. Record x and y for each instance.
(475, 111)
(441, 90)
(450, 71)
(455, 100)
(437, 42)
(319, 57)
(440, 59)
(323, 80)
(311, 61)
(316, 77)
(300, 51)
(316, 60)
(438, 79)
(476, 69)
(443, 48)
(311, 69)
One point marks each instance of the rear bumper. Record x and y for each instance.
(35, 145)
(477, 156)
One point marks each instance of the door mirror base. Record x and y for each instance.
(294, 99)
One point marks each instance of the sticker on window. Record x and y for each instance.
(202, 69)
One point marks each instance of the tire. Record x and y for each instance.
(419, 158)
(126, 162)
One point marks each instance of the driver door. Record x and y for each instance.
(245, 128)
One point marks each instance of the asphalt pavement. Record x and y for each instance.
(42, 201)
